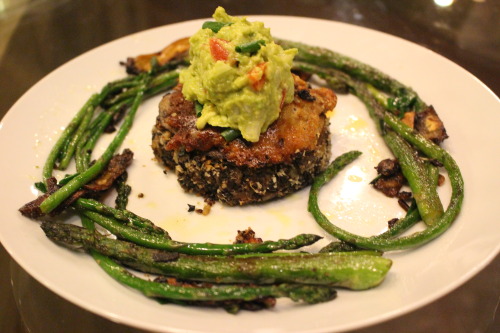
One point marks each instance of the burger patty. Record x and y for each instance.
(294, 149)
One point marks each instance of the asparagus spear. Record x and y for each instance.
(123, 215)
(77, 136)
(357, 271)
(55, 199)
(192, 294)
(416, 239)
(414, 169)
(305, 293)
(330, 59)
(64, 142)
(163, 243)
(167, 80)
(123, 191)
(411, 218)
(400, 226)
(423, 188)
(416, 173)
(87, 144)
(66, 136)
(155, 83)
(160, 82)
(335, 79)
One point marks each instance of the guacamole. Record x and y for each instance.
(238, 74)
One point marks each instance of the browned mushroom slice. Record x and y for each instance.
(430, 125)
(142, 63)
(116, 167)
(390, 179)
(247, 237)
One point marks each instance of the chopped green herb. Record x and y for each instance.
(41, 187)
(230, 134)
(198, 107)
(67, 178)
(251, 47)
(214, 26)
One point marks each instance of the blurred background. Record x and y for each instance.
(37, 36)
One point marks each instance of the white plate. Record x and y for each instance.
(469, 110)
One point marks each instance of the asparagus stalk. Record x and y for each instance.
(78, 135)
(66, 136)
(55, 199)
(305, 293)
(179, 294)
(416, 239)
(416, 173)
(64, 141)
(357, 271)
(414, 169)
(155, 84)
(434, 151)
(400, 226)
(355, 68)
(192, 293)
(87, 144)
(335, 79)
(403, 224)
(161, 82)
(163, 243)
(423, 188)
(123, 215)
(123, 191)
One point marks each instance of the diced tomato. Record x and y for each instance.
(217, 49)
(257, 76)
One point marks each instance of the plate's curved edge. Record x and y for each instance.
(388, 316)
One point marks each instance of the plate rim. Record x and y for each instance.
(396, 313)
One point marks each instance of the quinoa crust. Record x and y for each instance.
(293, 150)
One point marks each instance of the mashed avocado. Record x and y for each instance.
(239, 87)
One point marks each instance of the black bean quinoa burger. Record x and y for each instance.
(240, 128)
